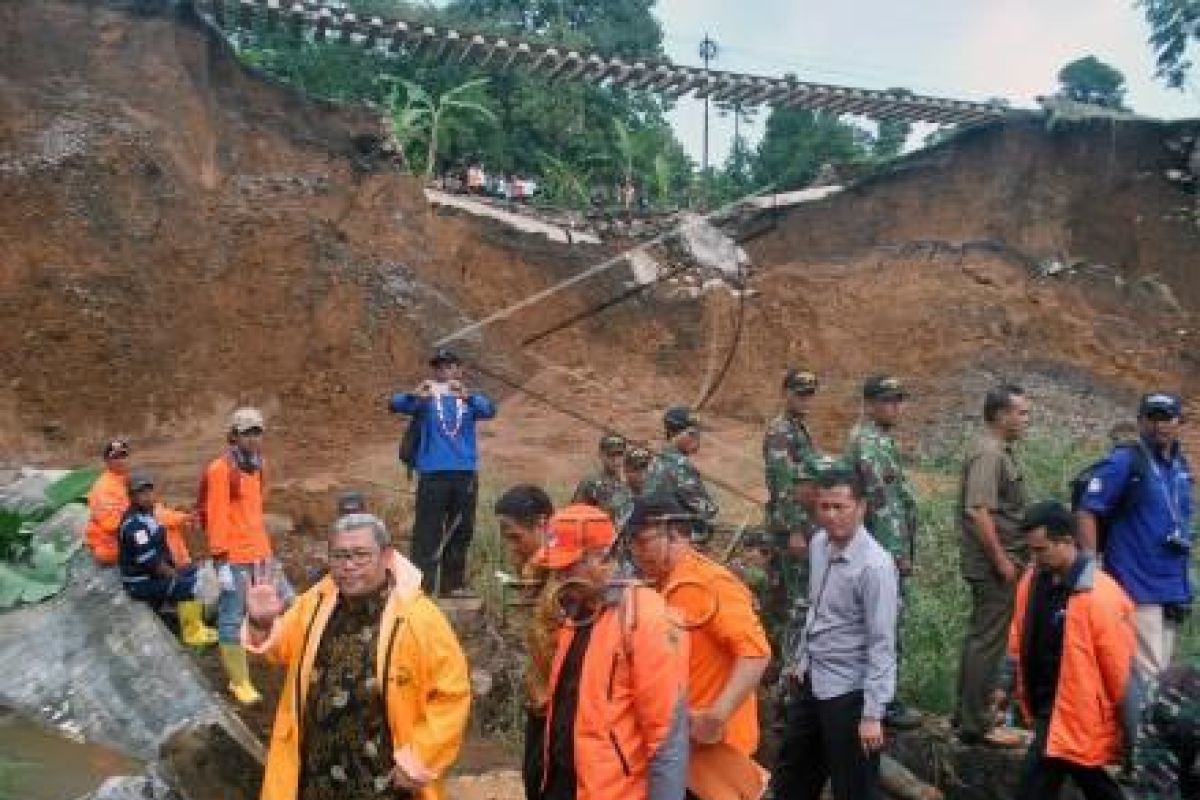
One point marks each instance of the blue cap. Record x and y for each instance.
(1162, 402)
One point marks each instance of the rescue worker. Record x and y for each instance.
(107, 503)
(843, 673)
(617, 718)
(1070, 657)
(1165, 765)
(606, 488)
(873, 453)
(1144, 493)
(729, 649)
(672, 472)
(231, 502)
(991, 507)
(447, 464)
(377, 694)
(149, 571)
(789, 457)
(523, 513)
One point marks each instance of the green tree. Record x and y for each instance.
(797, 142)
(438, 117)
(1174, 30)
(1090, 80)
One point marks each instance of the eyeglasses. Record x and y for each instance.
(352, 556)
(251, 432)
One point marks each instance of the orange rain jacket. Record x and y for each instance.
(1094, 675)
(107, 501)
(234, 513)
(428, 692)
(709, 596)
(630, 724)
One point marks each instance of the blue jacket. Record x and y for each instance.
(445, 444)
(142, 546)
(1137, 554)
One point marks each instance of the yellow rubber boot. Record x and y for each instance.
(234, 658)
(192, 630)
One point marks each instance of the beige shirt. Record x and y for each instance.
(991, 479)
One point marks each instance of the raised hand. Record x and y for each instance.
(263, 604)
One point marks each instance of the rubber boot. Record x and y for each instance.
(192, 630)
(233, 657)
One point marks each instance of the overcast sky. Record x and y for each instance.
(970, 49)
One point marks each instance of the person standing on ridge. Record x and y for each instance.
(446, 459)
(672, 472)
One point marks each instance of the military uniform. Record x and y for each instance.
(787, 451)
(672, 472)
(891, 504)
(607, 492)
(1168, 738)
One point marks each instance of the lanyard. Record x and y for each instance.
(811, 621)
(1170, 489)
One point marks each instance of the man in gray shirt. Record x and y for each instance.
(843, 673)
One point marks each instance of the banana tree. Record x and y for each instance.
(435, 116)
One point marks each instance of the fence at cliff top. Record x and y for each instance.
(326, 22)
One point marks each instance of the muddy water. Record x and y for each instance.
(40, 764)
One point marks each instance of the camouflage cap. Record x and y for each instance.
(800, 381)
(812, 469)
(883, 387)
(613, 443)
(638, 456)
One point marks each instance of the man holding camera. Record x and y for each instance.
(447, 461)
(1143, 496)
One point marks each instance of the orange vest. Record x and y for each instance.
(234, 524)
(1097, 657)
(427, 691)
(632, 684)
(702, 591)
(107, 502)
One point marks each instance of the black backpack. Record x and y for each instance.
(1137, 476)
(410, 442)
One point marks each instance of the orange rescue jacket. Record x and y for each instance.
(107, 502)
(709, 596)
(1097, 658)
(632, 688)
(234, 520)
(427, 689)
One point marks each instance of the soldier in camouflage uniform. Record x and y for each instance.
(790, 461)
(672, 471)
(872, 451)
(1168, 738)
(606, 489)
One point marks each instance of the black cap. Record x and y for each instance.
(800, 381)
(351, 503)
(613, 443)
(1162, 403)
(442, 356)
(883, 387)
(658, 507)
(638, 456)
(1052, 515)
(679, 418)
(140, 479)
(117, 448)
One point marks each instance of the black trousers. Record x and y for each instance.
(533, 762)
(820, 743)
(444, 525)
(1042, 777)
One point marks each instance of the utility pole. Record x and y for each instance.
(708, 54)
